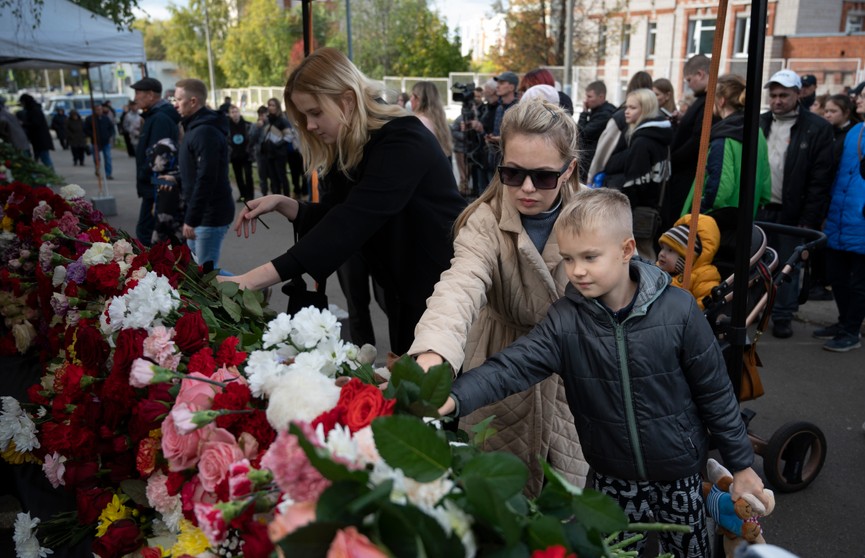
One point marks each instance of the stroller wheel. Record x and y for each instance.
(794, 456)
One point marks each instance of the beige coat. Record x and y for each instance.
(497, 288)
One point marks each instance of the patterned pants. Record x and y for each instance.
(679, 502)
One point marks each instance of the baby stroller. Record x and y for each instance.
(794, 455)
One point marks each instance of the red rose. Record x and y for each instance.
(228, 355)
(130, 345)
(121, 538)
(150, 552)
(71, 441)
(80, 474)
(147, 415)
(104, 278)
(363, 403)
(175, 481)
(202, 362)
(90, 346)
(256, 543)
(90, 503)
(555, 551)
(117, 397)
(191, 332)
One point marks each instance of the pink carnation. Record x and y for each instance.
(141, 373)
(291, 469)
(292, 519)
(157, 493)
(239, 483)
(161, 349)
(211, 522)
(68, 224)
(54, 469)
(350, 543)
(183, 415)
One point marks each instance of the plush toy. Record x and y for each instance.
(737, 521)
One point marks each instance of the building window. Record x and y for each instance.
(740, 38)
(855, 22)
(626, 41)
(700, 35)
(651, 35)
(602, 40)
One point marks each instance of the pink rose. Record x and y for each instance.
(349, 543)
(211, 522)
(217, 455)
(226, 375)
(198, 395)
(295, 517)
(181, 450)
(141, 373)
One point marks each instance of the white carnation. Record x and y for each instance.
(426, 495)
(310, 362)
(142, 307)
(121, 248)
(339, 441)
(301, 396)
(263, 370)
(16, 426)
(59, 276)
(26, 543)
(312, 325)
(98, 253)
(72, 191)
(24, 334)
(367, 453)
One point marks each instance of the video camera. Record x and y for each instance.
(463, 92)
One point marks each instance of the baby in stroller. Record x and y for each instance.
(674, 246)
(162, 159)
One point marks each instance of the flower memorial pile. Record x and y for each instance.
(15, 165)
(184, 428)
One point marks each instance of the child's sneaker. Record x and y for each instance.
(828, 332)
(843, 342)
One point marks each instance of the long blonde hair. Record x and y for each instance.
(648, 102)
(532, 118)
(328, 75)
(431, 107)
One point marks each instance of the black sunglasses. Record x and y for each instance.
(541, 179)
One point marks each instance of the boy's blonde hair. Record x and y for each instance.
(327, 75)
(536, 117)
(593, 210)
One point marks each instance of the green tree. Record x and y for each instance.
(118, 11)
(429, 52)
(184, 38)
(154, 35)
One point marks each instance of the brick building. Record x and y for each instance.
(821, 37)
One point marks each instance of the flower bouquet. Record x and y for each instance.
(17, 165)
(185, 428)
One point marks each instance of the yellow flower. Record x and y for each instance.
(12, 456)
(191, 540)
(114, 511)
(6, 223)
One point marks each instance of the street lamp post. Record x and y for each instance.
(209, 55)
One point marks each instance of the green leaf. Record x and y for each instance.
(209, 318)
(135, 489)
(334, 503)
(506, 473)
(228, 288)
(486, 504)
(310, 541)
(546, 531)
(483, 432)
(599, 511)
(251, 303)
(406, 369)
(407, 443)
(556, 479)
(584, 542)
(436, 385)
(230, 306)
(409, 532)
(319, 458)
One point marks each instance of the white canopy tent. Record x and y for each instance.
(65, 36)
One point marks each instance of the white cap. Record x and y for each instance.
(785, 78)
(542, 91)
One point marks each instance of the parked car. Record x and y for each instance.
(81, 103)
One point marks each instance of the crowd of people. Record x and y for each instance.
(577, 229)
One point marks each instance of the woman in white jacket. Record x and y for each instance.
(505, 274)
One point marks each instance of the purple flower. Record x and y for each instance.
(76, 272)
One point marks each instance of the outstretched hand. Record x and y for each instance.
(248, 218)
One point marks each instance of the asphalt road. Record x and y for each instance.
(802, 382)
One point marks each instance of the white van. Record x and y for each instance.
(81, 103)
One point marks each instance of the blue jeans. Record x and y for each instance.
(207, 244)
(45, 158)
(105, 155)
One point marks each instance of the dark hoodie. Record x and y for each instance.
(203, 160)
(238, 140)
(641, 169)
(160, 122)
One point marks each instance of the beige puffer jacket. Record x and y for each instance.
(497, 288)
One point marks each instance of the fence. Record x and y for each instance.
(833, 74)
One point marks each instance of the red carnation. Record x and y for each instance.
(202, 362)
(130, 345)
(257, 426)
(145, 458)
(555, 551)
(90, 346)
(235, 397)
(104, 278)
(191, 332)
(80, 474)
(329, 419)
(228, 355)
(175, 481)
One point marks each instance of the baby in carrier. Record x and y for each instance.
(168, 222)
(674, 245)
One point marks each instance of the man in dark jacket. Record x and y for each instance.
(33, 121)
(801, 163)
(58, 124)
(160, 122)
(203, 161)
(103, 138)
(241, 149)
(685, 149)
(596, 113)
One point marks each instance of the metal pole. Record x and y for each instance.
(747, 180)
(348, 28)
(568, 78)
(209, 55)
(94, 136)
(306, 19)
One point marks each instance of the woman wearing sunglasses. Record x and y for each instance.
(505, 274)
(391, 192)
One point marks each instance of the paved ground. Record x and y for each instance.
(803, 383)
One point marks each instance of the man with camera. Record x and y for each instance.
(482, 126)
